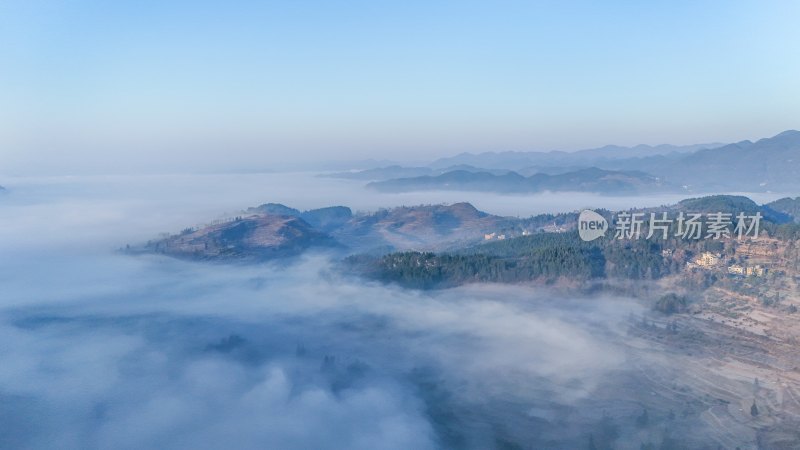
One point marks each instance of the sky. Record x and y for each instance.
(148, 86)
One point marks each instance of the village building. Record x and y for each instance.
(736, 269)
(707, 259)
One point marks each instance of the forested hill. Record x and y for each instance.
(543, 256)
(549, 257)
(787, 205)
(274, 230)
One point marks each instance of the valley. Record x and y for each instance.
(715, 365)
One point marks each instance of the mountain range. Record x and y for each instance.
(273, 230)
(396, 171)
(593, 156)
(586, 180)
(769, 164)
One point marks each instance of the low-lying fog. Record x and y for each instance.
(108, 210)
(103, 350)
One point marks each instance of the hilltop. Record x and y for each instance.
(257, 237)
(275, 230)
(418, 227)
(787, 205)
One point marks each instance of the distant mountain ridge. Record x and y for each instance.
(519, 160)
(767, 164)
(585, 180)
(525, 163)
(390, 172)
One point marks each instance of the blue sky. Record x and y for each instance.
(148, 84)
